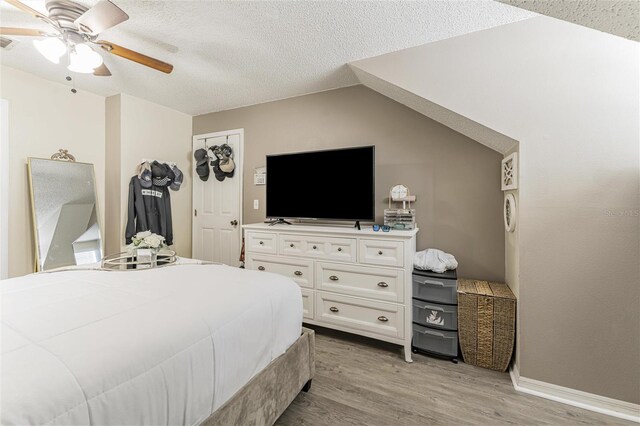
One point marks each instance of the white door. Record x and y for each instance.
(217, 215)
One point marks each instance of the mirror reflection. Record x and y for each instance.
(65, 213)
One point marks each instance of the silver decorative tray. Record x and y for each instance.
(127, 261)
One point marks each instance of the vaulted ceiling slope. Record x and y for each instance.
(490, 85)
(234, 53)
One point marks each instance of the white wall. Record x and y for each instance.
(4, 189)
(569, 95)
(512, 260)
(140, 129)
(43, 117)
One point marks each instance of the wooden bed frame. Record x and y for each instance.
(269, 393)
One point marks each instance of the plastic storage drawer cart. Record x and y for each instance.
(435, 313)
(486, 322)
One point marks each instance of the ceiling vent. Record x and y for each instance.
(6, 42)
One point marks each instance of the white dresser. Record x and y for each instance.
(354, 281)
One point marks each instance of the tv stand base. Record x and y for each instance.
(278, 221)
(357, 225)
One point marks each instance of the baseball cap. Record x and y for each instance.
(177, 181)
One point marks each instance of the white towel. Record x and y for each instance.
(434, 260)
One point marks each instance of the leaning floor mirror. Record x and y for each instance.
(65, 213)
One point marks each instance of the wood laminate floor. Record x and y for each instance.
(360, 381)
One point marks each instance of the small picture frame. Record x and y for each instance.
(510, 212)
(509, 172)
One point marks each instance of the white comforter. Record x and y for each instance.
(162, 346)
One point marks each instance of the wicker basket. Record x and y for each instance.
(486, 323)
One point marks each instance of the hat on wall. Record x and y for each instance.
(143, 170)
(145, 178)
(178, 179)
(226, 150)
(227, 165)
(202, 164)
(220, 175)
(224, 161)
(158, 170)
(161, 181)
(162, 174)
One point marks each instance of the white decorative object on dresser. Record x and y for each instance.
(351, 280)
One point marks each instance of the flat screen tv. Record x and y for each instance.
(337, 184)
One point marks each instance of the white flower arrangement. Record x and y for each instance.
(146, 240)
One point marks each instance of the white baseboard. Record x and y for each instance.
(576, 398)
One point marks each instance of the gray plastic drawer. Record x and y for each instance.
(435, 290)
(437, 341)
(444, 317)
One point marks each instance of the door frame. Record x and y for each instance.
(238, 159)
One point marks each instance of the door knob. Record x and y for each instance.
(234, 223)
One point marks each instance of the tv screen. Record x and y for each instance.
(337, 184)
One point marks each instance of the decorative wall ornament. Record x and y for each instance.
(510, 172)
(509, 212)
(63, 155)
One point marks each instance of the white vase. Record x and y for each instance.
(146, 258)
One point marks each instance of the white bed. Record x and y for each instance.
(162, 346)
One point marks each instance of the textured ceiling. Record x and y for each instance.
(233, 53)
(621, 18)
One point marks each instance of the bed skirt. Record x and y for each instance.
(269, 393)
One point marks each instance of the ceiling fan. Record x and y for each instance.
(75, 29)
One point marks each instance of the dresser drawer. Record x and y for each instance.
(299, 270)
(291, 245)
(261, 242)
(381, 318)
(444, 317)
(308, 304)
(437, 290)
(380, 252)
(364, 281)
(327, 248)
(437, 341)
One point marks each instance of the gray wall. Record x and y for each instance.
(569, 96)
(456, 180)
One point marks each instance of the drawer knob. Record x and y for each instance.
(380, 252)
(315, 247)
(334, 309)
(261, 242)
(333, 278)
(383, 284)
(339, 248)
(260, 268)
(383, 318)
(298, 273)
(291, 245)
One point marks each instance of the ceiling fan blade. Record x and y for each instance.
(102, 71)
(100, 17)
(23, 7)
(131, 55)
(10, 31)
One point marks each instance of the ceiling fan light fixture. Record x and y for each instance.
(83, 59)
(51, 48)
